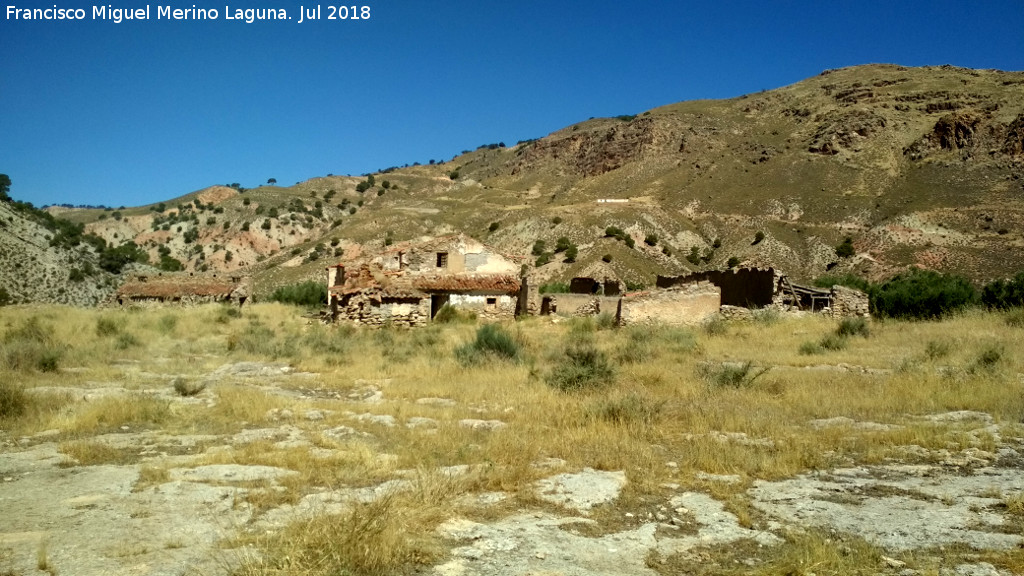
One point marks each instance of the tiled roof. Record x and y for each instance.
(502, 283)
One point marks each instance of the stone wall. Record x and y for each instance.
(364, 311)
(583, 304)
(687, 304)
(850, 303)
(748, 287)
(504, 307)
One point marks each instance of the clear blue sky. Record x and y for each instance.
(94, 112)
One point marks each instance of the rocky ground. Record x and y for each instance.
(63, 517)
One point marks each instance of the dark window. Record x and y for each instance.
(442, 259)
(492, 301)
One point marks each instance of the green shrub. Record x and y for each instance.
(13, 400)
(716, 326)
(832, 342)
(491, 341)
(988, 359)
(606, 321)
(107, 327)
(167, 323)
(311, 294)
(258, 340)
(125, 340)
(810, 348)
(853, 327)
(922, 294)
(582, 367)
(758, 237)
(30, 346)
(732, 262)
(845, 249)
(449, 314)
(730, 374)
(226, 313)
(767, 316)
(493, 227)
(630, 409)
(1014, 318)
(1003, 294)
(554, 288)
(936, 349)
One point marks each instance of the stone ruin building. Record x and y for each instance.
(181, 289)
(410, 282)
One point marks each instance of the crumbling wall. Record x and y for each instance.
(679, 305)
(748, 287)
(486, 307)
(365, 311)
(850, 303)
(584, 304)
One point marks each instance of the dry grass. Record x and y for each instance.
(658, 409)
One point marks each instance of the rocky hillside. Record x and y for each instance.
(917, 166)
(33, 270)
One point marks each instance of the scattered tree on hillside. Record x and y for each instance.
(271, 180)
(845, 250)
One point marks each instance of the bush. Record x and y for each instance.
(582, 367)
(554, 288)
(606, 258)
(311, 294)
(1003, 294)
(13, 400)
(186, 387)
(845, 250)
(571, 253)
(732, 262)
(632, 408)
(758, 237)
(538, 248)
(449, 314)
(922, 294)
(107, 327)
(853, 327)
(491, 341)
(651, 240)
(606, 321)
(30, 347)
(493, 227)
(730, 374)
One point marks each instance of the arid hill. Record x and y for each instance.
(917, 166)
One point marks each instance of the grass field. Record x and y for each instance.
(665, 405)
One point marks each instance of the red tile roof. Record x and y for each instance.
(500, 283)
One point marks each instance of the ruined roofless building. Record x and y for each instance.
(409, 283)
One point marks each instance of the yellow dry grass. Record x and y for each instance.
(672, 400)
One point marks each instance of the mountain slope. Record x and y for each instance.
(918, 166)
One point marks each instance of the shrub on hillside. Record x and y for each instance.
(1003, 294)
(13, 400)
(310, 294)
(30, 346)
(491, 341)
(922, 294)
(449, 314)
(582, 367)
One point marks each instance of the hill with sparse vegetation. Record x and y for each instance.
(866, 170)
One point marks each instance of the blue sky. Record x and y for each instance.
(94, 112)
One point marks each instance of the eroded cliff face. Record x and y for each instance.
(603, 147)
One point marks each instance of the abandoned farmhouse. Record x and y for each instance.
(410, 282)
